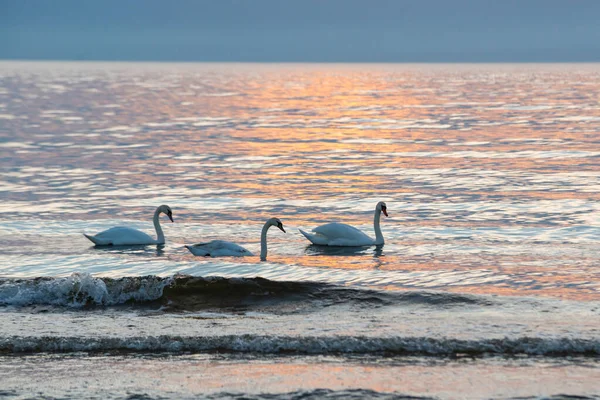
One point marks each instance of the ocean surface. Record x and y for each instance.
(488, 285)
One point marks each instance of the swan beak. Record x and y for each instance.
(385, 212)
(281, 227)
(170, 217)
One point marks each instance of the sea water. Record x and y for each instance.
(488, 285)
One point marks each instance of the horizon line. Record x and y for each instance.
(52, 60)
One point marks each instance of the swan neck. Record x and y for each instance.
(378, 234)
(263, 242)
(160, 236)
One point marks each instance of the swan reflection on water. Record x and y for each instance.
(314, 250)
(133, 250)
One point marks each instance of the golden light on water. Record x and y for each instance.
(478, 164)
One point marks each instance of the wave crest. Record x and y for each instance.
(361, 345)
(188, 293)
(79, 290)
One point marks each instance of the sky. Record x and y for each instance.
(302, 30)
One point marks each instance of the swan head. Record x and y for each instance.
(276, 222)
(382, 208)
(167, 211)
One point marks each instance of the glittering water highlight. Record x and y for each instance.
(490, 174)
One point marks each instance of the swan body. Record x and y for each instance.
(126, 236)
(337, 234)
(222, 248)
(120, 236)
(218, 248)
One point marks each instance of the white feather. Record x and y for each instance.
(218, 248)
(126, 236)
(121, 236)
(337, 234)
(223, 248)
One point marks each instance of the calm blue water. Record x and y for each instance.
(489, 273)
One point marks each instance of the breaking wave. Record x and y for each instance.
(80, 290)
(317, 345)
(189, 293)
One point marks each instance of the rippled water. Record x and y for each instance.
(491, 175)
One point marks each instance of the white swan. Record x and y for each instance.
(336, 234)
(125, 236)
(222, 248)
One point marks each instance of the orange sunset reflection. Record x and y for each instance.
(478, 164)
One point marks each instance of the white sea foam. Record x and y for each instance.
(78, 290)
